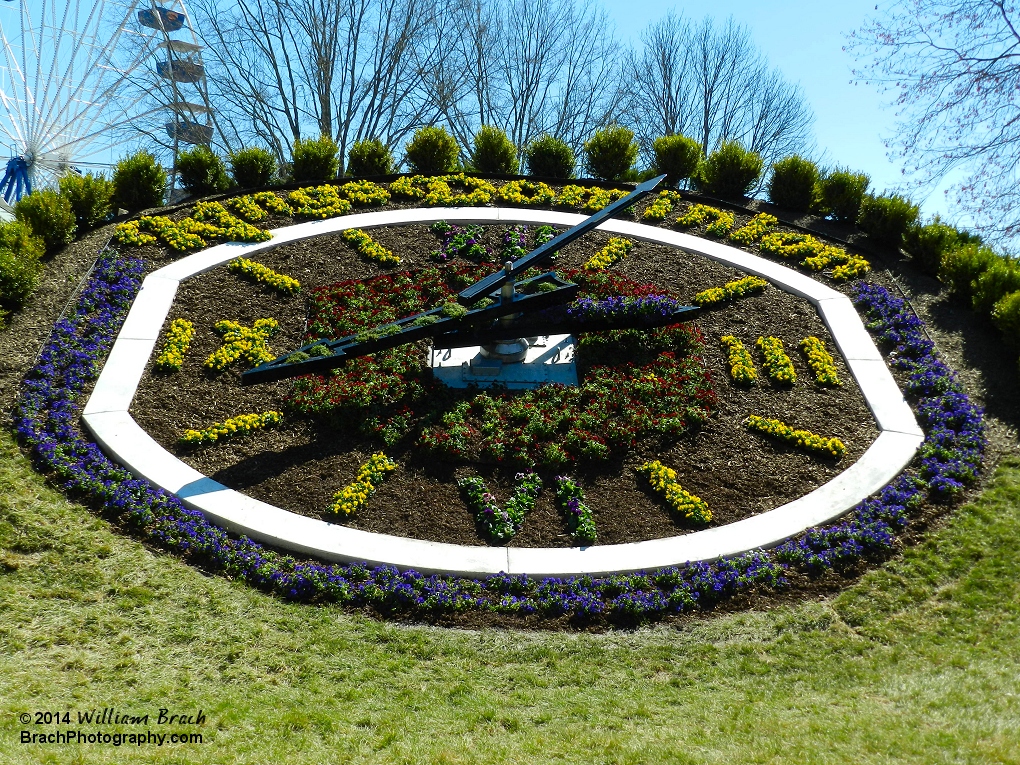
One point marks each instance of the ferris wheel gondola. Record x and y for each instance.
(182, 72)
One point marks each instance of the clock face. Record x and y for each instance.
(657, 394)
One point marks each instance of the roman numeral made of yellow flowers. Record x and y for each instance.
(250, 342)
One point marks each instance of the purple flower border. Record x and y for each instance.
(48, 410)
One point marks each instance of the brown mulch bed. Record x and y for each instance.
(301, 465)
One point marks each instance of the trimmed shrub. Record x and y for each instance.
(961, 267)
(18, 279)
(202, 172)
(19, 239)
(610, 153)
(90, 197)
(49, 216)
(1006, 316)
(253, 168)
(841, 193)
(20, 265)
(370, 157)
(928, 244)
(549, 157)
(885, 219)
(677, 156)
(998, 280)
(793, 183)
(493, 152)
(315, 159)
(729, 172)
(139, 182)
(432, 151)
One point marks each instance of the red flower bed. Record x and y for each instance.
(634, 384)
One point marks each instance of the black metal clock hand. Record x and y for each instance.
(478, 326)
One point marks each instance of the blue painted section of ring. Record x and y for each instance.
(16, 181)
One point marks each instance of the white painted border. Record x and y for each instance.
(107, 418)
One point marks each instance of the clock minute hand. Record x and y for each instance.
(483, 287)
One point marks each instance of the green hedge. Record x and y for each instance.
(315, 159)
(432, 151)
(611, 153)
(139, 182)
(841, 194)
(20, 265)
(793, 184)
(202, 172)
(91, 199)
(49, 215)
(885, 219)
(549, 157)
(729, 172)
(677, 156)
(253, 168)
(370, 157)
(493, 151)
(961, 267)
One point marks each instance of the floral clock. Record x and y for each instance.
(195, 514)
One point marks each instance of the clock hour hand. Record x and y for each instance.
(550, 290)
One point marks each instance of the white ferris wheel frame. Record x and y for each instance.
(71, 86)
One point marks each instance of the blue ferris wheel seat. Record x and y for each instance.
(163, 19)
(16, 181)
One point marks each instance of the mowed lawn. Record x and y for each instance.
(918, 662)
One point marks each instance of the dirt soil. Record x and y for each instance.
(300, 465)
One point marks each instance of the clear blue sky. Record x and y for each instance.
(805, 39)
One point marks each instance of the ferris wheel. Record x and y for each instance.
(79, 78)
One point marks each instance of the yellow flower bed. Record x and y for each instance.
(174, 237)
(612, 252)
(662, 206)
(247, 208)
(178, 340)
(365, 193)
(318, 202)
(130, 233)
(734, 290)
(254, 207)
(816, 255)
(802, 439)
(525, 193)
(354, 496)
(663, 480)
(719, 221)
(778, 365)
(742, 369)
(235, 426)
(438, 190)
(209, 220)
(230, 226)
(250, 342)
(755, 229)
(368, 247)
(820, 361)
(590, 199)
(199, 228)
(272, 203)
(282, 283)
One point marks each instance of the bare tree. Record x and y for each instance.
(954, 69)
(712, 84)
(530, 67)
(350, 69)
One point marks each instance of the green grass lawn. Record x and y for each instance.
(918, 662)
